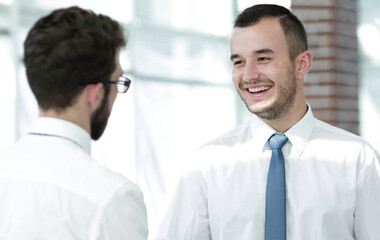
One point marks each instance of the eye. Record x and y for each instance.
(263, 59)
(236, 63)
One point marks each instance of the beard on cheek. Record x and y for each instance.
(99, 119)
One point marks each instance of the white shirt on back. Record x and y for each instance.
(51, 188)
(332, 186)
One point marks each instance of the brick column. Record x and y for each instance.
(332, 86)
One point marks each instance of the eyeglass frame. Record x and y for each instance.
(123, 80)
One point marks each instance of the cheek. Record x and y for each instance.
(236, 77)
(112, 97)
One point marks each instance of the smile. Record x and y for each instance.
(258, 89)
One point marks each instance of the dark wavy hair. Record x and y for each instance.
(67, 47)
(294, 30)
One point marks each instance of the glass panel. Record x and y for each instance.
(172, 121)
(211, 16)
(27, 110)
(7, 93)
(242, 4)
(119, 10)
(7, 2)
(188, 58)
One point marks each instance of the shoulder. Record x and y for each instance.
(323, 130)
(221, 150)
(122, 212)
(231, 138)
(99, 181)
(343, 142)
(63, 165)
(121, 209)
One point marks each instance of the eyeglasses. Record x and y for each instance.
(122, 83)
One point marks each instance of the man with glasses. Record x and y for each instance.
(50, 187)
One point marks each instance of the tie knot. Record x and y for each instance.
(277, 141)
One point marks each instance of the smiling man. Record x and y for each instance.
(284, 174)
(267, 78)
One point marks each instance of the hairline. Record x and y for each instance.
(279, 18)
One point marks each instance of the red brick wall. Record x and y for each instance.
(331, 87)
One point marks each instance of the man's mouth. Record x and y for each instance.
(258, 89)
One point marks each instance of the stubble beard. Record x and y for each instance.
(99, 119)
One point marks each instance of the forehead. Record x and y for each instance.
(266, 34)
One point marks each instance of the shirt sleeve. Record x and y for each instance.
(187, 216)
(367, 212)
(125, 216)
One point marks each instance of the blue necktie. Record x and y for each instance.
(275, 208)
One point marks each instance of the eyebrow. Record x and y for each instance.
(265, 50)
(260, 51)
(234, 56)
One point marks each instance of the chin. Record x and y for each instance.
(259, 107)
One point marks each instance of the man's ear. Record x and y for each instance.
(303, 64)
(94, 94)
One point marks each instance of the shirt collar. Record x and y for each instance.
(62, 128)
(298, 134)
(261, 132)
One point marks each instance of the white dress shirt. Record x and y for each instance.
(332, 186)
(50, 188)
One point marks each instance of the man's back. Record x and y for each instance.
(50, 188)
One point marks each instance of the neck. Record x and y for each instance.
(70, 115)
(289, 119)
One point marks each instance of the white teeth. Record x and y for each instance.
(258, 89)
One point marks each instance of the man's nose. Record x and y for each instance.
(250, 71)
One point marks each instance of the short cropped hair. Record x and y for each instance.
(66, 48)
(292, 27)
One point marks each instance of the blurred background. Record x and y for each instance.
(181, 94)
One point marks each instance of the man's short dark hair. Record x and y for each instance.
(294, 30)
(67, 47)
